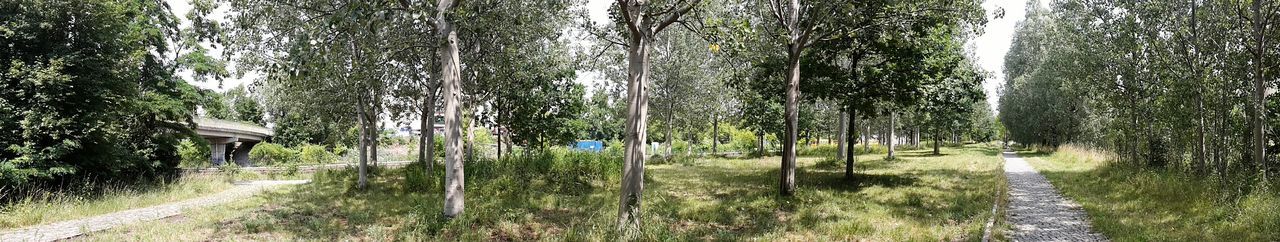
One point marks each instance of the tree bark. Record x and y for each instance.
(451, 78)
(425, 132)
(866, 146)
(893, 122)
(639, 45)
(429, 133)
(670, 117)
(937, 143)
(373, 134)
(851, 155)
(364, 155)
(715, 133)
(1259, 89)
(841, 130)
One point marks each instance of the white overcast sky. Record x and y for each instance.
(989, 48)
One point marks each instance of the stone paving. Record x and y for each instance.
(1038, 212)
(72, 228)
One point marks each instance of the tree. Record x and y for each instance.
(641, 21)
(89, 91)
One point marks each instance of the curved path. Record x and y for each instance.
(72, 228)
(1038, 212)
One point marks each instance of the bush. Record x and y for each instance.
(266, 154)
(817, 150)
(194, 153)
(315, 154)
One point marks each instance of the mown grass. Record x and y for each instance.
(918, 197)
(41, 207)
(1128, 204)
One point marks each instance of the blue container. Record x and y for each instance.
(589, 145)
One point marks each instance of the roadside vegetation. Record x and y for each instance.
(566, 195)
(1132, 204)
(42, 206)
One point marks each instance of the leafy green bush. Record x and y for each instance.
(817, 150)
(266, 154)
(194, 153)
(315, 154)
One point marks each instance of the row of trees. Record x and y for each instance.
(508, 68)
(1176, 84)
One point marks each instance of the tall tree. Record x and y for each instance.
(642, 21)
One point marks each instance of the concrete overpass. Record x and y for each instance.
(230, 140)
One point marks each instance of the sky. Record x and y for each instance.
(988, 49)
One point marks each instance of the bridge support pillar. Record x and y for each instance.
(241, 155)
(219, 149)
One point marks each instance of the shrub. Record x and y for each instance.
(266, 154)
(817, 150)
(315, 154)
(194, 153)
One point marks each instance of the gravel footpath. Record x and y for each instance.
(72, 228)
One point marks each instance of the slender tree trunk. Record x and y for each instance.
(760, 145)
(715, 134)
(841, 134)
(937, 143)
(915, 137)
(851, 154)
(893, 122)
(373, 133)
(451, 78)
(1257, 121)
(429, 133)
(788, 171)
(425, 130)
(364, 155)
(670, 117)
(866, 145)
(639, 45)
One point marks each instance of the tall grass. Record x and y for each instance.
(41, 206)
(1132, 204)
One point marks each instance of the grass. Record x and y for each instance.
(47, 207)
(915, 198)
(1127, 204)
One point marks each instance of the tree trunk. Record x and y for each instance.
(451, 78)
(1259, 89)
(373, 134)
(639, 45)
(760, 144)
(937, 143)
(893, 122)
(364, 155)
(670, 116)
(851, 155)
(788, 171)
(429, 133)
(915, 139)
(425, 132)
(841, 134)
(866, 146)
(715, 133)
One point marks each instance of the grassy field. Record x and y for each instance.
(915, 198)
(1130, 205)
(44, 207)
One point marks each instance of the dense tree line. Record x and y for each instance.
(1175, 84)
(89, 90)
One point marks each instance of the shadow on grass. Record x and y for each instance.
(680, 203)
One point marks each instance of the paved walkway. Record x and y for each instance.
(72, 228)
(1038, 212)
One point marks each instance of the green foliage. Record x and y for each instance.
(194, 153)
(88, 91)
(315, 154)
(268, 154)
